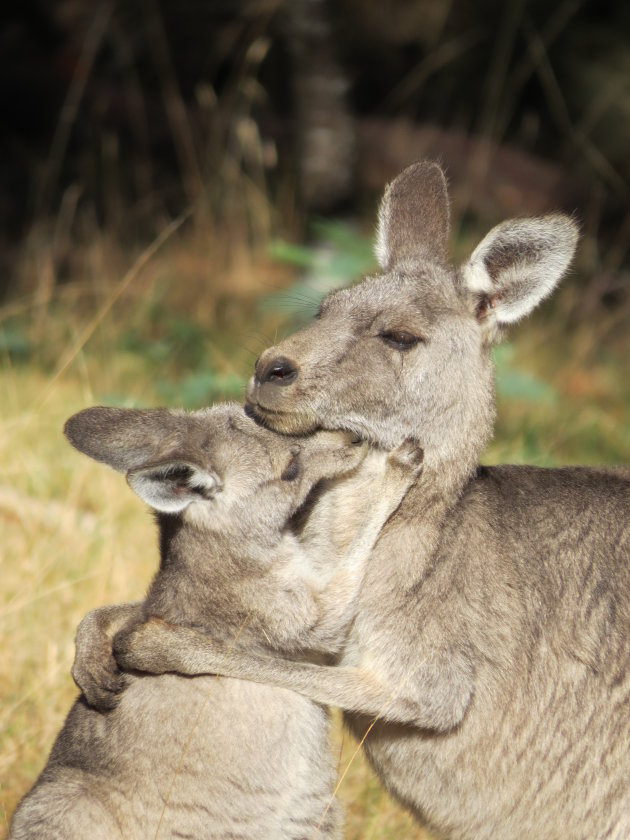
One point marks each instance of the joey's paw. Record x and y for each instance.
(409, 455)
(145, 647)
(327, 454)
(99, 678)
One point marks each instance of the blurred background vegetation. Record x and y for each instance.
(182, 181)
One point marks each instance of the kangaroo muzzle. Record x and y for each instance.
(280, 371)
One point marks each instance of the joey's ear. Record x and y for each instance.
(515, 266)
(123, 438)
(413, 219)
(171, 486)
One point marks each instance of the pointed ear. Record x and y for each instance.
(413, 219)
(123, 438)
(515, 266)
(171, 486)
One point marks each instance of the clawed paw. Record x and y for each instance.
(100, 680)
(409, 454)
(139, 648)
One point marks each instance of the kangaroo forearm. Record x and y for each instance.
(351, 689)
(342, 592)
(99, 627)
(417, 699)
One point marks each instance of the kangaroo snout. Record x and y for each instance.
(271, 399)
(277, 371)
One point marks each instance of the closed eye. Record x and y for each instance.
(399, 339)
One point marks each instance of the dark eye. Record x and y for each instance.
(399, 339)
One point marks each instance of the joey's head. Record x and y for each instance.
(200, 465)
(406, 353)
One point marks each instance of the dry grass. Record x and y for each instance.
(70, 542)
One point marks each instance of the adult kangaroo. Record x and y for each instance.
(492, 632)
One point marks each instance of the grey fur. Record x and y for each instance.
(492, 636)
(214, 757)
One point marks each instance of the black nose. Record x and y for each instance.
(280, 371)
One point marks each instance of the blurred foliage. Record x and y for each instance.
(338, 255)
(119, 115)
(14, 343)
(202, 388)
(516, 384)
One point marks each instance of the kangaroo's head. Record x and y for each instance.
(200, 465)
(406, 353)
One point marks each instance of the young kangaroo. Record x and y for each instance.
(220, 758)
(492, 636)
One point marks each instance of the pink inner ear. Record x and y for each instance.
(486, 304)
(482, 308)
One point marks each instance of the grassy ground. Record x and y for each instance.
(180, 331)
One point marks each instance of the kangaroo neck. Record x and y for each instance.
(418, 524)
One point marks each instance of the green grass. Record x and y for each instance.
(562, 398)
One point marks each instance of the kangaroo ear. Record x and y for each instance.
(171, 486)
(515, 266)
(123, 438)
(413, 219)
